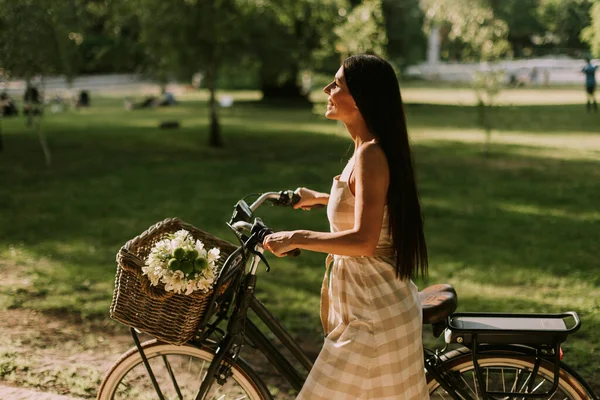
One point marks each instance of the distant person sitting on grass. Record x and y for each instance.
(8, 106)
(83, 101)
(590, 84)
(167, 99)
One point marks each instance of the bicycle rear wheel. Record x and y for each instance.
(506, 373)
(179, 371)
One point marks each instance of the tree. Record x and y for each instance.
(483, 37)
(471, 25)
(39, 40)
(112, 34)
(406, 42)
(363, 30)
(591, 33)
(563, 21)
(289, 36)
(522, 19)
(184, 37)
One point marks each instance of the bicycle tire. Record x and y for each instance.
(129, 379)
(503, 368)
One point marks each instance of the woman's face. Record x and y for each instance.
(340, 104)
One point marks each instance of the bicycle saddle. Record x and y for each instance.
(438, 301)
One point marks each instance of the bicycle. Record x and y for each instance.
(501, 356)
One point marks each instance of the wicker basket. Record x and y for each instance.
(170, 317)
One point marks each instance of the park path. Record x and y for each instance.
(13, 393)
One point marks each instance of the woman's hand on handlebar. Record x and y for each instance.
(280, 243)
(310, 198)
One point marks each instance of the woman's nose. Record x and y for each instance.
(326, 89)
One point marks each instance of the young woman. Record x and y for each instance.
(370, 309)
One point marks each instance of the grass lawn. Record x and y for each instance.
(517, 231)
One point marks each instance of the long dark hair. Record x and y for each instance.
(374, 87)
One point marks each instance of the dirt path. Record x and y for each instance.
(12, 393)
(57, 354)
(59, 357)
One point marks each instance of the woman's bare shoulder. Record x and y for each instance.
(371, 153)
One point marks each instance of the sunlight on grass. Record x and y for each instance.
(552, 212)
(573, 146)
(467, 96)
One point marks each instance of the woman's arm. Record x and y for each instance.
(371, 174)
(310, 198)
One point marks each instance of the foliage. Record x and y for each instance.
(563, 21)
(591, 33)
(521, 17)
(471, 24)
(288, 36)
(406, 41)
(363, 30)
(39, 40)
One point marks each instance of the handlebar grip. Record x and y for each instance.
(295, 199)
(267, 231)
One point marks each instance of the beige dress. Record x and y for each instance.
(372, 320)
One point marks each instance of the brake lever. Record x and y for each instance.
(253, 237)
(262, 258)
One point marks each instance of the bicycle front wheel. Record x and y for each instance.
(179, 372)
(505, 373)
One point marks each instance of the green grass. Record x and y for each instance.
(516, 231)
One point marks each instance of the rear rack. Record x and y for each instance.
(542, 332)
(499, 328)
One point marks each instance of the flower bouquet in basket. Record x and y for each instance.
(182, 264)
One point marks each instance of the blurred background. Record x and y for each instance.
(119, 114)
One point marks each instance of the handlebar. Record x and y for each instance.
(244, 213)
(282, 198)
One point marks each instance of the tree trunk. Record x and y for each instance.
(288, 91)
(38, 126)
(484, 112)
(215, 138)
(1, 117)
(43, 143)
(28, 102)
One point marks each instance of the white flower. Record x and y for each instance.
(157, 270)
(213, 255)
(200, 249)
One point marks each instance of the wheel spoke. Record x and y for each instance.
(172, 375)
(475, 385)
(487, 379)
(524, 386)
(469, 386)
(514, 386)
(538, 386)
